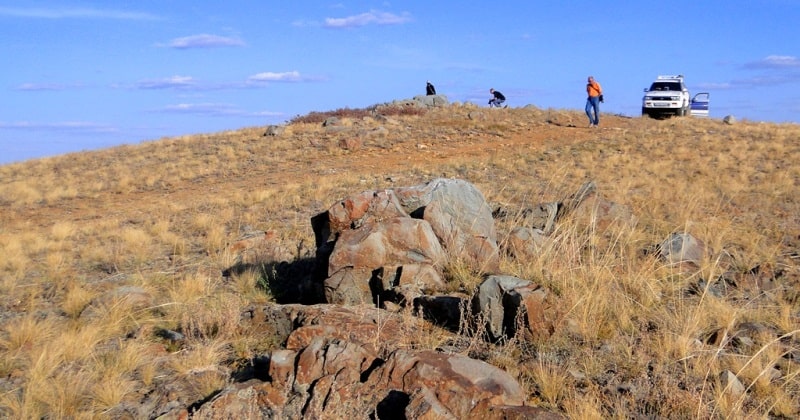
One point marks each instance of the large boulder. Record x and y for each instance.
(358, 209)
(397, 253)
(394, 241)
(460, 217)
(397, 241)
(431, 101)
(446, 385)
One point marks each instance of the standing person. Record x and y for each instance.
(429, 89)
(594, 97)
(497, 98)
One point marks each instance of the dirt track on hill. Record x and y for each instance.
(425, 153)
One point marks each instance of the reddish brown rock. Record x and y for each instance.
(400, 253)
(394, 241)
(333, 367)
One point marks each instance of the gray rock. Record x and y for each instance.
(274, 130)
(682, 247)
(504, 303)
(431, 101)
(731, 384)
(375, 132)
(460, 217)
(476, 116)
(332, 122)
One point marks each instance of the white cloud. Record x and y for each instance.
(714, 86)
(188, 83)
(205, 41)
(775, 62)
(74, 13)
(201, 108)
(288, 76)
(302, 23)
(75, 126)
(266, 114)
(174, 82)
(752, 82)
(769, 80)
(40, 86)
(774, 70)
(213, 109)
(363, 19)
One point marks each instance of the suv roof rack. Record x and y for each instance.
(665, 77)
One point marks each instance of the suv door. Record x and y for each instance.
(700, 105)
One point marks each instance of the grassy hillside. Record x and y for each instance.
(105, 253)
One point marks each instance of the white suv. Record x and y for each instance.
(666, 96)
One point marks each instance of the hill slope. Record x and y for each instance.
(107, 253)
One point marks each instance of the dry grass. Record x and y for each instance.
(102, 250)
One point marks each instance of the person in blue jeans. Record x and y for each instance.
(497, 98)
(594, 97)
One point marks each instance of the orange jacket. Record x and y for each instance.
(594, 89)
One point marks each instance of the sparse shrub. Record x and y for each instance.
(316, 117)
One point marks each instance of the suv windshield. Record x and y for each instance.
(665, 86)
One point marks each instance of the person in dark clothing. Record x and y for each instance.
(429, 89)
(497, 98)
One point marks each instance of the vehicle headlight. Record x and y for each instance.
(674, 98)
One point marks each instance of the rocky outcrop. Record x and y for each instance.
(343, 376)
(352, 365)
(396, 241)
(350, 357)
(419, 101)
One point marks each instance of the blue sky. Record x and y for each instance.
(81, 75)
